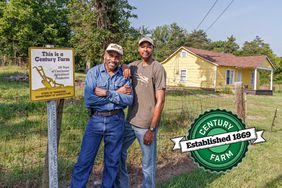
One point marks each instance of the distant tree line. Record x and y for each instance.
(90, 25)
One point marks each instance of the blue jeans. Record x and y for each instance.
(111, 128)
(149, 157)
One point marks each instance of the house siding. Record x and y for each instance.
(199, 72)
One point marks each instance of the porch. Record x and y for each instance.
(255, 80)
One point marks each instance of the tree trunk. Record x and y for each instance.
(4, 60)
(103, 20)
(100, 8)
(88, 66)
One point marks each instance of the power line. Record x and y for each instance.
(206, 14)
(220, 15)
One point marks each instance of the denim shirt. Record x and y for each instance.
(99, 77)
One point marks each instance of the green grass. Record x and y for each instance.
(23, 137)
(23, 133)
(196, 178)
(262, 166)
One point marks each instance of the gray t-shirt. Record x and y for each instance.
(146, 80)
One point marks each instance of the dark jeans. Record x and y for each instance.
(111, 128)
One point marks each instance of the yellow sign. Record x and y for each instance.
(51, 73)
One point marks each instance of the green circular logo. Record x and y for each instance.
(223, 157)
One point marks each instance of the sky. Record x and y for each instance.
(244, 19)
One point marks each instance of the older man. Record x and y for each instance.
(149, 84)
(106, 96)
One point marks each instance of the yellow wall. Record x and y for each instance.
(199, 73)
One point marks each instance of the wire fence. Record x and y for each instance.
(23, 130)
(23, 134)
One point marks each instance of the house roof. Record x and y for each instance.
(225, 59)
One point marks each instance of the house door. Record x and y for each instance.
(239, 78)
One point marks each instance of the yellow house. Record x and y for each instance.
(198, 68)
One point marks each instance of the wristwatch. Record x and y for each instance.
(152, 129)
(107, 93)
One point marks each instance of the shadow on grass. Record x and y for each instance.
(20, 109)
(18, 177)
(18, 118)
(12, 84)
(31, 177)
(70, 142)
(196, 179)
(16, 130)
(277, 182)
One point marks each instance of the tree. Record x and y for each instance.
(177, 36)
(2, 7)
(83, 38)
(130, 44)
(198, 39)
(3, 4)
(27, 23)
(230, 46)
(278, 71)
(217, 46)
(167, 39)
(144, 31)
(257, 47)
(161, 35)
(102, 22)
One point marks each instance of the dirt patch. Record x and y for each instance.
(172, 169)
(165, 171)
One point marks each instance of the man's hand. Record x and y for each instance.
(148, 137)
(126, 71)
(126, 89)
(100, 92)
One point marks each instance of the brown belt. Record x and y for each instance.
(93, 112)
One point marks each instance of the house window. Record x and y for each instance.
(183, 54)
(183, 76)
(229, 77)
(252, 78)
